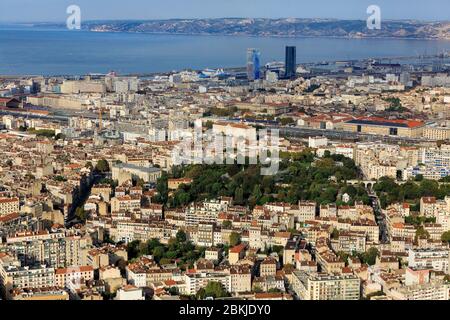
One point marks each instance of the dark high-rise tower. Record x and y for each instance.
(253, 64)
(291, 62)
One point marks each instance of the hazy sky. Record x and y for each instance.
(55, 10)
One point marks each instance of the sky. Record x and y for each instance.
(55, 10)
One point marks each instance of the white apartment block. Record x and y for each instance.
(435, 163)
(436, 259)
(196, 281)
(320, 286)
(205, 212)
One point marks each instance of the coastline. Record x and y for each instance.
(269, 36)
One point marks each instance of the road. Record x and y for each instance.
(379, 216)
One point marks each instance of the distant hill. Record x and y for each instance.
(289, 27)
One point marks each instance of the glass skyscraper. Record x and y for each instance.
(291, 62)
(253, 64)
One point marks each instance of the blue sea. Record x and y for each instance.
(28, 50)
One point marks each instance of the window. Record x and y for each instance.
(393, 131)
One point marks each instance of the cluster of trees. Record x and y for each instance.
(48, 133)
(111, 182)
(235, 239)
(81, 214)
(446, 236)
(390, 192)
(102, 166)
(213, 289)
(60, 178)
(321, 180)
(369, 257)
(286, 121)
(178, 249)
(395, 105)
(419, 220)
(222, 112)
(301, 177)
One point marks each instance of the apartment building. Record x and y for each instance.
(206, 212)
(380, 126)
(9, 205)
(436, 133)
(56, 253)
(434, 163)
(102, 190)
(145, 271)
(12, 277)
(322, 286)
(174, 184)
(125, 203)
(236, 253)
(436, 290)
(241, 279)
(349, 242)
(436, 259)
(268, 267)
(124, 172)
(73, 277)
(196, 281)
(432, 207)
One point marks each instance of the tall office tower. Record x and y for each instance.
(253, 64)
(291, 62)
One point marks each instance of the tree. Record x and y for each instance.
(369, 256)
(257, 192)
(163, 189)
(181, 236)
(257, 289)
(81, 214)
(235, 239)
(226, 224)
(201, 294)
(239, 196)
(215, 289)
(174, 291)
(335, 234)
(140, 182)
(287, 121)
(158, 253)
(102, 166)
(133, 249)
(446, 236)
(421, 233)
(60, 136)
